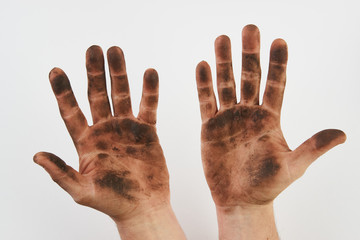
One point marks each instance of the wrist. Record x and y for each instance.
(153, 223)
(247, 222)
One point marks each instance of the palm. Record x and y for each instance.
(245, 156)
(242, 151)
(122, 166)
(124, 159)
(117, 143)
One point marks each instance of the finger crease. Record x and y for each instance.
(222, 85)
(96, 73)
(150, 94)
(118, 75)
(121, 96)
(278, 64)
(63, 94)
(73, 111)
(97, 95)
(250, 52)
(147, 108)
(224, 63)
(275, 83)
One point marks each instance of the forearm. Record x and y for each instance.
(245, 223)
(159, 223)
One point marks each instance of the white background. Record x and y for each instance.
(322, 92)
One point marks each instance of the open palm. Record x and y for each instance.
(245, 156)
(122, 166)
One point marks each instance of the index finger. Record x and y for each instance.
(275, 84)
(72, 115)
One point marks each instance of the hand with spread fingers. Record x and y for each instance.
(247, 162)
(122, 167)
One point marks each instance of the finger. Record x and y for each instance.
(205, 89)
(72, 115)
(251, 71)
(97, 94)
(150, 96)
(275, 84)
(313, 148)
(120, 92)
(65, 176)
(225, 76)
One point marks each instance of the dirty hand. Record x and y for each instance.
(246, 159)
(122, 167)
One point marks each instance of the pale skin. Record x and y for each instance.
(246, 160)
(122, 169)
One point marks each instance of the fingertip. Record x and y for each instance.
(223, 48)
(251, 37)
(344, 137)
(279, 42)
(203, 72)
(250, 28)
(201, 65)
(329, 137)
(94, 58)
(151, 79)
(151, 71)
(36, 158)
(116, 59)
(279, 51)
(94, 48)
(59, 81)
(55, 72)
(222, 39)
(115, 50)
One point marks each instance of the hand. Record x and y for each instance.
(246, 159)
(122, 167)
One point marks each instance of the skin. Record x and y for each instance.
(246, 160)
(122, 166)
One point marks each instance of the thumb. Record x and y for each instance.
(313, 148)
(65, 176)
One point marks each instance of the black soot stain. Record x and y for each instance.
(103, 155)
(267, 168)
(248, 90)
(227, 94)
(102, 129)
(60, 84)
(220, 120)
(116, 149)
(151, 101)
(250, 62)
(117, 128)
(101, 145)
(204, 92)
(258, 115)
(119, 184)
(324, 137)
(278, 54)
(276, 72)
(115, 59)
(203, 74)
(225, 74)
(130, 150)
(58, 162)
(152, 81)
(141, 132)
